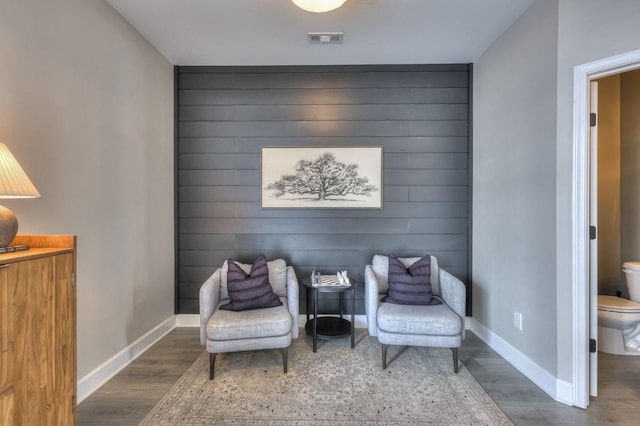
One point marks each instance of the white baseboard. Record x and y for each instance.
(559, 390)
(99, 376)
(187, 320)
(564, 392)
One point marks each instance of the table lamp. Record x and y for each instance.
(14, 183)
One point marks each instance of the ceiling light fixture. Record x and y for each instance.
(319, 6)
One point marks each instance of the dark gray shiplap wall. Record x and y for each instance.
(419, 114)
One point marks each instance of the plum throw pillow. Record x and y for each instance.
(250, 291)
(412, 285)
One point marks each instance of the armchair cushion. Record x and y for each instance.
(408, 320)
(253, 324)
(249, 291)
(277, 276)
(412, 285)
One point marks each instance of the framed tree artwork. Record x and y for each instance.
(321, 177)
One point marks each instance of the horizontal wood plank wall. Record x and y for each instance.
(419, 114)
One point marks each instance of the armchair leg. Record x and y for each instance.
(284, 358)
(455, 359)
(384, 356)
(212, 363)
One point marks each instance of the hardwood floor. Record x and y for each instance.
(618, 401)
(131, 394)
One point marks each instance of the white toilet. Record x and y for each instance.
(619, 319)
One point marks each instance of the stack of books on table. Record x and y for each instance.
(11, 249)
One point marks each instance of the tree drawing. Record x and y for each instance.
(323, 177)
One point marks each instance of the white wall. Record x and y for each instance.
(589, 30)
(86, 106)
(514, 116)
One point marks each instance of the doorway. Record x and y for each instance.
(615, 163)
(585, 302)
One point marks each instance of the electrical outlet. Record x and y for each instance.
(517, 320)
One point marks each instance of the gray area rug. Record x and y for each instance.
(336, 385)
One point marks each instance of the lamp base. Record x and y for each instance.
(8, 226)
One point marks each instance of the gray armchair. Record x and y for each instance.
(255, 329)
(415, 325)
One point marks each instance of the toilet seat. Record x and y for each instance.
(631, 265)
(617, 304)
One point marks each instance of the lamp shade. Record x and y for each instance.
(319, 6)
(14, 182)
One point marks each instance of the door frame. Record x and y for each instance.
(593, 244)
(583, 304)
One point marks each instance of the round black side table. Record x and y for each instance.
(329, 327)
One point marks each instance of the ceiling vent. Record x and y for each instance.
(325, 38)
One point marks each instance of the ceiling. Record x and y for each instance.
(274, 32)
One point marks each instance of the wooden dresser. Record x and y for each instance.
(38, 332)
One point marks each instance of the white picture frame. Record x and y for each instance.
(321, 177)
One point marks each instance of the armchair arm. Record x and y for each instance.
(454, 293)
(371, 299)
(209, 299)
(293, 303)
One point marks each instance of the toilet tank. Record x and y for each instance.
(632, 274)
